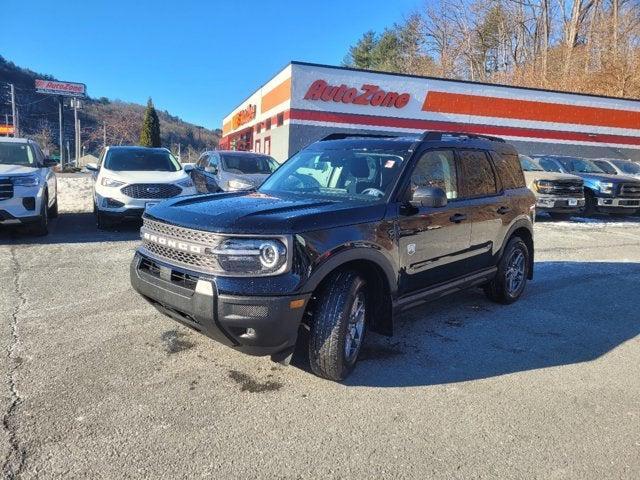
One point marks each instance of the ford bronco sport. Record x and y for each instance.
(345, 235)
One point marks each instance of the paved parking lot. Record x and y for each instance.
(99, 385)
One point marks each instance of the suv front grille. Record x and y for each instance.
(631, 190)
(572, 188)
(169, 250)
(151, 190)
(6, 188)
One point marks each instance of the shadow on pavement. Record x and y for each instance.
(71, 228)
(572, 312)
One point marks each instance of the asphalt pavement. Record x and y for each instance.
(97, 384)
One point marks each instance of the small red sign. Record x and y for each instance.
(371, 95)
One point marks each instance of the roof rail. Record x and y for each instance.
(435, 136)
(342, 136)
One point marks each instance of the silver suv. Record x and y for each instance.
(28, 188)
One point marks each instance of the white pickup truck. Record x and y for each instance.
(28, 188)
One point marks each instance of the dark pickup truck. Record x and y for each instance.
(344, 236)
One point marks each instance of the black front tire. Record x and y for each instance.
(329, 330)
(53, 210)
(41, 227)
(102, 221)
(590, 204)
(498, 289)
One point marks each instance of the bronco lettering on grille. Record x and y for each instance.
(171, 243)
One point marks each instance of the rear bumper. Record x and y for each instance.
(253, 325)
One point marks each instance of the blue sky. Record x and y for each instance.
(196, 59)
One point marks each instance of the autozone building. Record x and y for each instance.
(305, 102)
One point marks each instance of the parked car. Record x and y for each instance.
(558, 194)
(222, 170)
(615, 166)
(613, 194)
(130, 179)
(343, 237)
(28, 187)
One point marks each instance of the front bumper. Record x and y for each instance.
(256, 325)
(610, 202)
(13, 210)
(550, 203)
(127, 204)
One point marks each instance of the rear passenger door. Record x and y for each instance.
(488, 207)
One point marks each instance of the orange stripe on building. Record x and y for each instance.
(227, 127)
(276, 96)
(477, 105)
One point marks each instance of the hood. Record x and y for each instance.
(530, 177)
(259, 213)
(604, 177)
(144, 177)
(254, 179)
(17, 169)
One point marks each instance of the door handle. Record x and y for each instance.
(457, 218)
(504, 209)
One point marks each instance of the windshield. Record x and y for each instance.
(580, 165)
(606, 167)
(529, 164)
(549, 165)
(346, 174)
(247, 164)
(141, 160)
(16, 154)
(627, 167)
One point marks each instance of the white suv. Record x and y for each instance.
(28, 188)
(129, 180)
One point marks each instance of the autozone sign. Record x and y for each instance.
(244, 116)
(53, 87)
(368, 94)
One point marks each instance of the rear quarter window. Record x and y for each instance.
(509, 170)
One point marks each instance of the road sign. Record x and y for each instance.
(53, 87)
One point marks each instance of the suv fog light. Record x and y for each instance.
(111, 203)
(29, 203)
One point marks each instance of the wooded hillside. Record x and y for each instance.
(588, 46)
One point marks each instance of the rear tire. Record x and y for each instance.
(339, 326)
(513, 271)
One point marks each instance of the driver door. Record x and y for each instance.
(433, 242)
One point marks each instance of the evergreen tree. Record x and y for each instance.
(150, 135)
(361, 54)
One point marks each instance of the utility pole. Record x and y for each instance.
(61, 137)
(75, 103)
(14, 110)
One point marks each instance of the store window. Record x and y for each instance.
(267, 125)
(257, 147)
(267, 146)
(280, 119)
(258, 127)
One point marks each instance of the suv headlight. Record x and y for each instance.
(186, 183)
(239, 185)
(605, 187)
(251, 256)
(110, 182)
(26, 181)
(544, 186)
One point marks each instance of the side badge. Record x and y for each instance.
(411, 248)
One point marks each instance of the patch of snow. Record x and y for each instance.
(75, 193)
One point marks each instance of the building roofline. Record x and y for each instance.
(467, 82)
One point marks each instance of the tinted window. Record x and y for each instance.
(579, 165)
(476, 174)
(246, 164)
(627, 167)
(203, 161)
(141, 159)
(509, 170)
(436, 169)
(605, 167)
(529, 164)
(213, 160)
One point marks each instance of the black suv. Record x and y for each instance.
(345, 235)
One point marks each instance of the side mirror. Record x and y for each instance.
(429, 197)
(188, 167)
(92, 167)
(49, 162)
